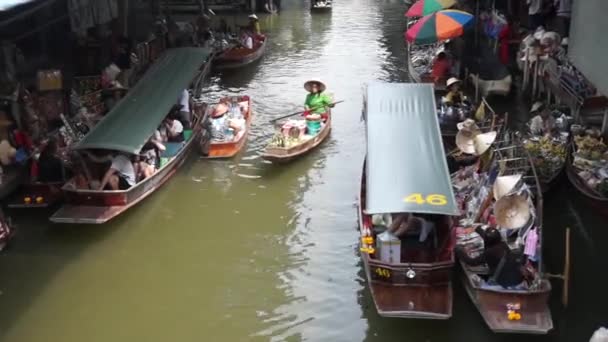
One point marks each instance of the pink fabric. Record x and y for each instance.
(531, 242)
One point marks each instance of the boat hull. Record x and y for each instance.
(284, 155)
(234, 58)
(97, 207)
(492, 305)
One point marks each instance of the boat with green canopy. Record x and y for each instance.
(406, 204)
(125, 130)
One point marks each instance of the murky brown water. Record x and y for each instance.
(246, 251)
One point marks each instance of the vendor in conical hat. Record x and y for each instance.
(455, 96)
(542, 122)
(495, 250)
(317, 101)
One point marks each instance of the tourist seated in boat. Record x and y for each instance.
(542, 123)
(442, 67)
(184, 104)
(505, 265)
(172, 130)
(406, 224)
(454, 97)
(225, 126)
(120, 175)
(51, 168)
(246, 40)
(146, 162)
(317, 101)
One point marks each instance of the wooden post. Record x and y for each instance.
(566, 276)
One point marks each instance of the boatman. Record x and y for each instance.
(455, 97)
(542, 123)
(317, 101)
(254, 25)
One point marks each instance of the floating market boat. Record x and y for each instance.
(125, 130)
(228, 149)
(414, 281)
(506, 194)
(295, 139)
(238, 57)
(549, 157)
(587, 169)
(320, 5)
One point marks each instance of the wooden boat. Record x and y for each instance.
(239, 57)
(414, 282)
(228, 149)
(595, 199)
(277, 154)
(320, 6)
(125, 129)
(493, 301)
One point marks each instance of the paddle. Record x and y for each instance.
(293, 114)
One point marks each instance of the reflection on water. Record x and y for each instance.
(243, 250)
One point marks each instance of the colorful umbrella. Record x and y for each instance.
(438, 26)
(426, 7)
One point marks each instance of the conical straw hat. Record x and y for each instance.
(484, 141)
(505, 184)
(512, 211)
(474, 142)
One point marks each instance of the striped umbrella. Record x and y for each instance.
(438, 26)
(426, 7)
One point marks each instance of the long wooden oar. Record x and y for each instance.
(296, 113)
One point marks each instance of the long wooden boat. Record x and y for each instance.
(277, 154)
(415, 281)
(239, 57)
(596, 200)
(493, 301)
(228, 149)
(318, 6)
(125, 130)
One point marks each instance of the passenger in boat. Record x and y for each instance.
(317, 102)
(184, 110)
(246, 40)
(542, 123)
(50, 167)
(441, 67)
(172, 130)
(504, 266)
(455, 96)
(147, 161)
(120, 175)
(405, 223)
(223, 127)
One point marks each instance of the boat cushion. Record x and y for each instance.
(173, 149)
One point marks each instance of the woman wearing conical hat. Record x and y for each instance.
(317, 101)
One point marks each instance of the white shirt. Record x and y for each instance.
(184, 100)
(537, 125)
(534, 6)
(124, 167)
(248, 42)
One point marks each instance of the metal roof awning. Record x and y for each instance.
(135, 118)
(406, 168)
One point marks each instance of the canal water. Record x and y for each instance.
(242, 250)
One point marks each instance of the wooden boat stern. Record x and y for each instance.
(422, 291)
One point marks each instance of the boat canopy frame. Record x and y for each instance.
(406, 168)
(128, 126)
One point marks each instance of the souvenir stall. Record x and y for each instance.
(502, 212)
